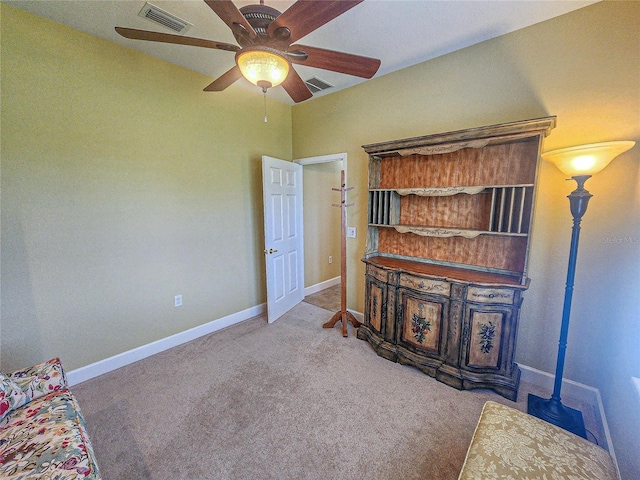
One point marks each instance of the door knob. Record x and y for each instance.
(271, 250)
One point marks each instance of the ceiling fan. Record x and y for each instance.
(267, 50)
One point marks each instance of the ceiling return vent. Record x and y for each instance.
(316, 85)
(157, 15)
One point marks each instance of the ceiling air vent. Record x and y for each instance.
(157, 15)
(316, 85)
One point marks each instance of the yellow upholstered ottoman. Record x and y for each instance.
(510, 444)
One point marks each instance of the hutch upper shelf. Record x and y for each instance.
(466, 197)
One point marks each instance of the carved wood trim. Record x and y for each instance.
(446, 148)
(439, 191)
(438, 232)
(495, 133)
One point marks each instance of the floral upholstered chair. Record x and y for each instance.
(42, 432)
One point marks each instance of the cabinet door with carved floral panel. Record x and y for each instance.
(376, 308)
(487, 342)
(422, 324)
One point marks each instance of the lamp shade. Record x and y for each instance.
(263, 66)
(586, 159)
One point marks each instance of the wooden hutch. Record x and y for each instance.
(449, 226)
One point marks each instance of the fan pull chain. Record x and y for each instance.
(264, 93)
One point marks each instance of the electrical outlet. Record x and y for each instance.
(177, 301)
(351, 232)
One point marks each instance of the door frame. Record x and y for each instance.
(333, 157)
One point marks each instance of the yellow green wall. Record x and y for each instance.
(123, 184)
(583, 67)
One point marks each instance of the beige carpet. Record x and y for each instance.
(288, 400)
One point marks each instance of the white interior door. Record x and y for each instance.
(283, 239)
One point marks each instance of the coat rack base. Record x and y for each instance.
(344, 317)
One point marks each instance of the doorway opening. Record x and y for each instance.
(322, 224)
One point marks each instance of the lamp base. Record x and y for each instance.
(554, 412)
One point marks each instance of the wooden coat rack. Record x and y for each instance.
(343, 315)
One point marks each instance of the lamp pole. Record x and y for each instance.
(579, 163)
(552, 410)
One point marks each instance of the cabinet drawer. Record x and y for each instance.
(490, 295)
(377, 273)
(425, 285)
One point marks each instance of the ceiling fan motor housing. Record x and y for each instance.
(259, 17)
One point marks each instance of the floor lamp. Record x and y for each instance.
(579, 163)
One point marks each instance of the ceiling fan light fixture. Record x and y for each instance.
(267, 47)
(263, 66)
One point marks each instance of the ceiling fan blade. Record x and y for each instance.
(304, 16)
(230, 15)
(340, 62)
(224, 80)
(296, 88)
(134, 34)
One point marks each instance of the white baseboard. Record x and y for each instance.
(576, 390)
(330, 283)
(101, 367)
(545, 380)
(321, 286)
(106, 365)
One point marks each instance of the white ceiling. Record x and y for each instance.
(400, 33)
